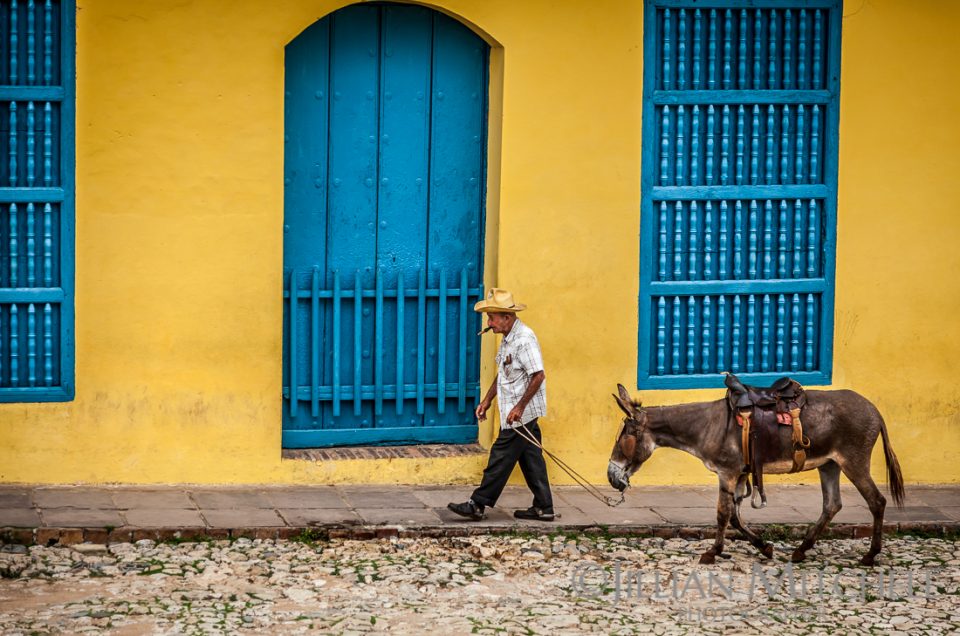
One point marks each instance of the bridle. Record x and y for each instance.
(628, 435)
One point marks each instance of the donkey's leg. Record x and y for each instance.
(725, 508)
(766, 549)
(859, 474)
(830, 487)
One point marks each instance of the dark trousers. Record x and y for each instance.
(509, 449)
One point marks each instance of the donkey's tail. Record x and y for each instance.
(894, 476)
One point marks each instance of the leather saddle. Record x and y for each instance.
(760, 411)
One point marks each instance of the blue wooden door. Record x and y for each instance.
(383, 224)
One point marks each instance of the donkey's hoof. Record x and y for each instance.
(708, 558)
(767, 550)
(798, 556)
(868, 559)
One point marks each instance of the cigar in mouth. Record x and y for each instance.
(483, 331)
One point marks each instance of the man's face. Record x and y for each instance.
(500, 323)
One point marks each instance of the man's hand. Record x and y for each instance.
(481, 411)
(516, 415)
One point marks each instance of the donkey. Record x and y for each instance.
(842, 426)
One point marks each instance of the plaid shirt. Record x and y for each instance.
(518, 358)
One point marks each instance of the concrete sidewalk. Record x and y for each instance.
(75, 514)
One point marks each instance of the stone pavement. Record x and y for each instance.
(66, 515)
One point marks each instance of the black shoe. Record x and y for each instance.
(467, 509)
(535, 514)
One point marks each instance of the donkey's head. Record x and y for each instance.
(634, 442)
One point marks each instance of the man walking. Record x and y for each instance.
(522, 393)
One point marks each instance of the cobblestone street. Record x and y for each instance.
(524, 584)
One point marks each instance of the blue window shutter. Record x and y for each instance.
(36, 200)
(738, 191)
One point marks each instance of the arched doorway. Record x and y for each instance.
(385, 122)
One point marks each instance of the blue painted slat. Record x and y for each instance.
(293, 379)
(442, 344)
(315, 342)
(401, 332)
(357, 344)
(378, 346)
(337, 317)
(462, 358)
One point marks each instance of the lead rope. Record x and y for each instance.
(577, 477)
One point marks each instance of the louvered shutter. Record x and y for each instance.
(36, 200)
(739, 185)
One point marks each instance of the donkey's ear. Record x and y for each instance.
(625, 406)
(624, 395)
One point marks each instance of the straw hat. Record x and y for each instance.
(499, 301)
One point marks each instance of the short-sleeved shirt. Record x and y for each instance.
(518, 358)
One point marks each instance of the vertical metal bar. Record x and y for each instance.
(712, 51)
(797, 238)
(695, 145)
(708, 248)
(765, 334)
(378, 345)
(292, 294)
(47, 145)
(357, 344)
(661, 335)
(662, 234)
(31, 345)
(14, 345)
(735, 336)
(772, 51)
(740, 145)
(723, 264)
(753, 242)
(795, 333)
(675, 341)
(755, 146)
(707, 337)
(421, 338)
(742, 52)
(442, 346)
(31, 45)
(810, 344)
(697, 82)
(758, 49)
(769, 155)
(401, 324)
(813, 233)
(692, 249)
(727, 49)
(768, 239)
(31, 247)
(785, 145)
(12, 154)
(725, 146)
(31, 145)
(721, 333)
(815, 144)
(738, 241)
(14, 44)
(665, 146)
(47, 345)
(708, 166)
(315, 344)
(667, 78)
(680, 171)
(337, 305)
(798, 152)
(14, 247)
(781, 331)
(817, 65)
(802, 50)
(682, 49)
(678, 241)
(462, 363)
(783, 246)
(788, 82)
(47, 245)
(691, 334)
(47, 43)
(751, 333)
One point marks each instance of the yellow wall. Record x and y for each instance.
(179, 244)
